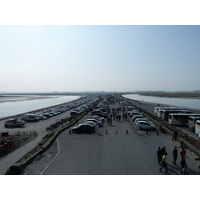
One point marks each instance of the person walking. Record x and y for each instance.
(108, 120)
(183, 154)
(175, 155)
(184, 171)
(163, 150)
(164, 163)
(175, 135)
(159, 156)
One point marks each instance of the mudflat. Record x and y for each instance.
(13, 98)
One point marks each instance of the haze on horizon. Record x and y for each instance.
(67, 58)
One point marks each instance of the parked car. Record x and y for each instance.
(100, 114)
(97, 117)
(101, 109)
(30, 117)
(13, 122)
(101, 119)
(41, 117)
(145, 125)
(95, 121)
(83, 128)
(137, 116)
(134, 113)
(129, 108)
(92, 124)
(142, 119)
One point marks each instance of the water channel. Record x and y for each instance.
(18, 105)
(190, 103)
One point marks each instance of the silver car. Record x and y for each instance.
(144, 125)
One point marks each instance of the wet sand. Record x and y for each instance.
(4, 98)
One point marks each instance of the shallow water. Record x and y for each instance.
(192, 103)
(18, 105)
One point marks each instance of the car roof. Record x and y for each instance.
(143, 121)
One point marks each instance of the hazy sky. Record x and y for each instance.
(99, 58)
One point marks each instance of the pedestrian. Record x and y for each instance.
(159, 156)
(175, 155)
(184, 171)
(183, 164)
(183, 154)
(175, 135)
(108, 120)
(119, 117)
(160, 128)
(181, 144)
(164, 163)
(163, 150)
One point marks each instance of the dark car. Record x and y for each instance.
(83, 128)
(13, 122)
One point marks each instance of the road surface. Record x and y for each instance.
(115, 153)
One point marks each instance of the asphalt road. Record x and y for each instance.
(115, 153)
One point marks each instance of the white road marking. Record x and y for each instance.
(53, 159)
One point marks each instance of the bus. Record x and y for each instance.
(192, 121)
(180, 118)
(164, 114)
(158, 109)
(197, 127)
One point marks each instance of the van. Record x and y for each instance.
(30, 117)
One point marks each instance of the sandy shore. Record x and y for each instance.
(4, 98)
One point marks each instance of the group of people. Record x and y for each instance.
(115, 115)
(162, 159)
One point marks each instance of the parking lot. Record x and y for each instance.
(117, 148)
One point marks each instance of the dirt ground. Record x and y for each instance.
(14, 143)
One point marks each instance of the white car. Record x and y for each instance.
(134, 113)
(95, 120)
(142, 119)
(97, 117)
(145, 125)
(136, 117)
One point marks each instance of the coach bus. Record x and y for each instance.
(197, 127)
(192, 121)
(157, 110)
(164, 114)
(180, 118)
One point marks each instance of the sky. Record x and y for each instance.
(78, 58)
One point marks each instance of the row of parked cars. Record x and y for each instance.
(139, 120)
(96, 120)
(47, 113)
